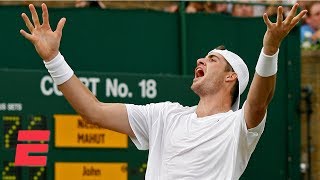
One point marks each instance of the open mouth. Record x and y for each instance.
(199, 72)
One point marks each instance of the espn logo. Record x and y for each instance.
(23, 157)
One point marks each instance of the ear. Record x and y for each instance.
(232, 76)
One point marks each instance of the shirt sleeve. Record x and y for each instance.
(248, 138)
(142, 119)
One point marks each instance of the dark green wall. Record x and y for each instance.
(97, 40)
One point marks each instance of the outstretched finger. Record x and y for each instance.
(60, 25)
(45, 15)
(267, 20)
(296, 19)
(26, 35)
(291, 14)
(27, 22)
(279, 16)
(34, 14)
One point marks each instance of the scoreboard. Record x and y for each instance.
(31, 101)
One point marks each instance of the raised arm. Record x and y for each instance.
(47, 42)
(263, 84)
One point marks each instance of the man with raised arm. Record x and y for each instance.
(213, 140)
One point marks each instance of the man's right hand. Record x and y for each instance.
(111, 116)
(46, 41)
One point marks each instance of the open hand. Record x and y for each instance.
(45, 40)
(276, 32)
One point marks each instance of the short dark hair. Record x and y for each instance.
(235, 89)
(221, 47)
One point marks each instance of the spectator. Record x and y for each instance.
(208, 6)
(54, 4)
(303, 4)
(166, 6)
(270, 7)
(171, 8)
(310, 32)
(220, 7)
(242, 10)
(193, 7)
(259, 10)
(271, 10)
(84, 3)
(287, 5)
(11, 3)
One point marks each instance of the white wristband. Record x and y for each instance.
(59, 70)
(267, 65)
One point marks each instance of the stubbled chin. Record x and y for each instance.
(196, 86)
(196, 82)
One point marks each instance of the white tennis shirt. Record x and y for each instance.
(183, 146)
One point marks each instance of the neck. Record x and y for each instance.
(214, 104)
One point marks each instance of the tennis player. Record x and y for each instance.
(212, 140)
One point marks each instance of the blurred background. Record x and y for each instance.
(145, 51)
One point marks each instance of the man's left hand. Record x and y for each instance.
(277, 31)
